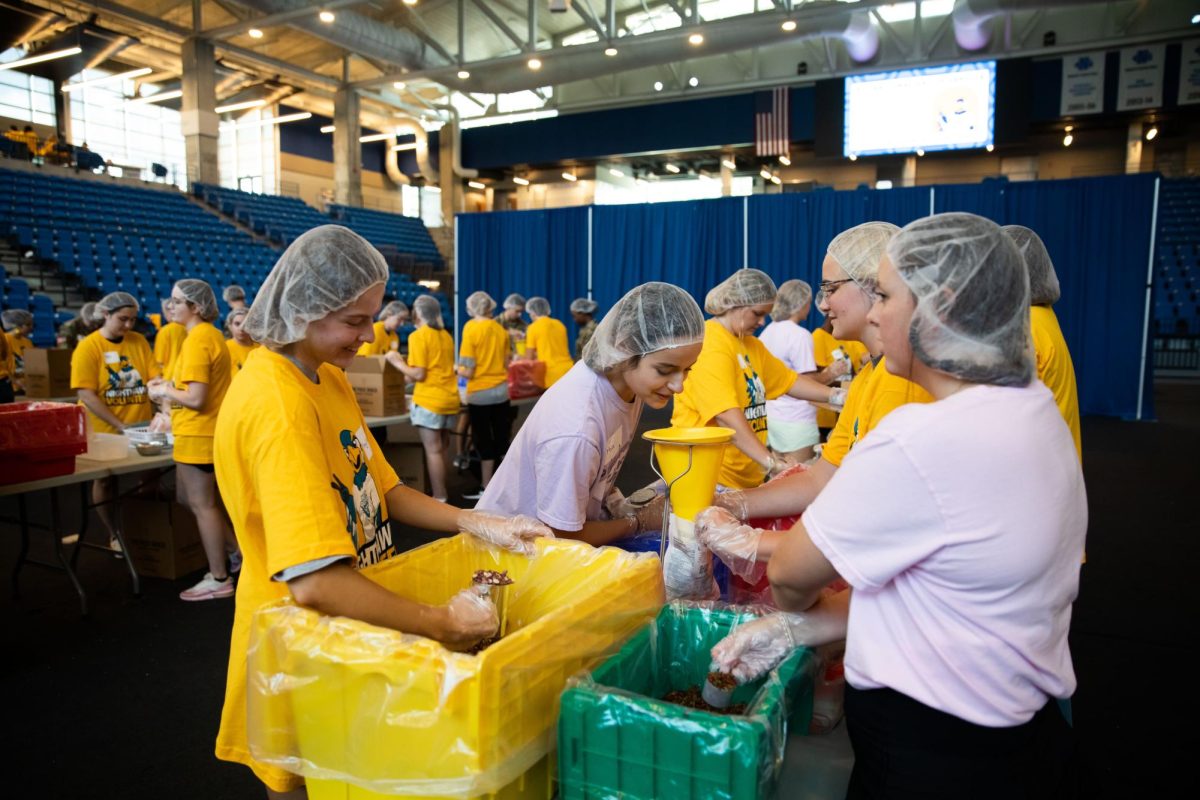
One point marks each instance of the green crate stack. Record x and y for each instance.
(616, 738)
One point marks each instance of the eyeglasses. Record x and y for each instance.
(825, 289)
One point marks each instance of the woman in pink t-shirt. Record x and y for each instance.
(965, 560)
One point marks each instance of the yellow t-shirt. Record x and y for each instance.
(238, 353)
(548, 337)
(486, 345)
(1055, 368)
(823, 346)
(8, 360)
(302, 479)
(117, 372)
(204, 359)
(167, 345)
(19, 343)
(433, 349)
(874, 393)
(732, 372)
(384, 343)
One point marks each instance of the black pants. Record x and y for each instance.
(903, 749)
(490, 428)
(6, 389)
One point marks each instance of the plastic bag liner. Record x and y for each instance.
(616, 738)
(335, 699)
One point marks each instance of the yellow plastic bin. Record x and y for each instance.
(366, 712)
(689, 460)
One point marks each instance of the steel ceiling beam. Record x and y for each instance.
(272, 20)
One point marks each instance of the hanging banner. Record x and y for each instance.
(1082, 84)
(1139, 84)
(1189, 72)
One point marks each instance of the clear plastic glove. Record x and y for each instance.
(760, 645)
(650, 516)
(734, 502)
(730, 540)
(838, 368)
(837, 397)
(512, 533)
(469, 618)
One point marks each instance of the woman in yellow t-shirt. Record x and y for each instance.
(546, 340)
(109, 370)
(835, 369)
(18, 324)
(483, 358)
(430, 366)
(239, 343)
(735, 376)
(168, 342)
(201, 379)
(386, 340)
(308, 489)
(8, 368)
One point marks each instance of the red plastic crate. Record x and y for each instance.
(40, 440)
(526, 379)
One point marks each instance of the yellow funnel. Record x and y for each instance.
(692, 489)
(520, 343)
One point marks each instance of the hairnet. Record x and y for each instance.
(1043, 280)
(201, 295)
(325, 269)
(858, 250)
(480, 304)
(233, 315)
(746, 287)
(114, 302)
(16, 317)
(233, 292)
(88, 314)
(429, 310)
(582, 305)
(651, 317)
(393, 309)
(793, 296)
(972, 298)
(539, 306)
(514, 300)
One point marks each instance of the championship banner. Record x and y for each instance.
(1189, 72)
(1082, 84)
(1139, 83)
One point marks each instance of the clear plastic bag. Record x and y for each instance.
(687, 565)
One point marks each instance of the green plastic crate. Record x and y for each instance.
(616, 739)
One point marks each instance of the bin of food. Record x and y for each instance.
(40, 440)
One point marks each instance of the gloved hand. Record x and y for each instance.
(650, 516)
(734, 502)
(730, 540)
(837, 396)
(838, 368)
(780, 463)
(468, 619)
(760, 645)
(512, 533)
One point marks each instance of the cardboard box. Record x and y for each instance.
(47, 373)
(409, 462)
(378, 386)
(162, 538)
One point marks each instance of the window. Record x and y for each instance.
(247, 151)
(23, 97)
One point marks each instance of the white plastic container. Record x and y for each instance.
(107, 447)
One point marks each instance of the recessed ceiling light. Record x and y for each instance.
(853, 157)
(326, 17)
(463, 74)
(920, 152)
(789, 26)
(658, 86)
(398, 85)
(991, 147)
(787, 162)
(696, 39)
(534, 63)
(519, 181)
(1150, 134)
(1067, 140)
(671, 168)
(476, 185)
(765, 174)
(616, 173)
(729, 164)
(254, 33)
(569, 176)
(610, 51)
(693, 81)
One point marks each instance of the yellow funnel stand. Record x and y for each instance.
(689, 460)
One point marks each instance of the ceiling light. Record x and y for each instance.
(787, 162)
(920, 152)
(254, 33)
(671, 168)
(775, 180)
(240, 106)
(476, 185)
(261, 123)
(120, 76)
(326, 17)
(156, 98)
(410, 2)
(696, 39)
(375, 137)
(1150, 134)
(40, 57)
(1069, 128)
(398, 85)
(990, 147)
(534, 63)
(789, 26)
(658, 86)
(463, 74)
(728, 163)
(610, 51)
(519, 181)
(616, 173)
(854, 157)
(693, 81)
(1067, 140)
(766, 174)
(1196, 19)
(569, 176)
(326, 129)
(400, 148)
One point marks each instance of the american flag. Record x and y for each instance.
(771, 135)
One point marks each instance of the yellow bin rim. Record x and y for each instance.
(685, 436)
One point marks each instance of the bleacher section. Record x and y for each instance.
(407, 236)
(1177, 277)
(280, 219)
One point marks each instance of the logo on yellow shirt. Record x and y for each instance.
(125, 387)
(756, 395)
(370, 532)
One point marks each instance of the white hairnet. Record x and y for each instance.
(233, 315)
(201, 295)
(746, 287)
(793, 296)
(16, 317)
(972, 298)
(514, 300)
(88, 314)
(480, 304)
(233, 292)
(115, 301)
(325, 269)
(582, 305)
(1043, 280)
(429, 310)
(858, 250)
(651, 317)
(539, 306)
(392, 309)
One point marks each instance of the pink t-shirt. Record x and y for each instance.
(792, 345)
(960, 524)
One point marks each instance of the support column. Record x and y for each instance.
(451, 185)
(726, 175)
(198, 119)
(347, 150)
(62, 111)
(1139, 156)
(908, 176)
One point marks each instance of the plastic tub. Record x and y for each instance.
(107, 447)
(40, 440)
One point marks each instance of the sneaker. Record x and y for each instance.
(114, 544)
(235, 562)
(475, 495)
(461, 461)
(208, 589)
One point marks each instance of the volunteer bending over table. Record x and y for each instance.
(736, 375)
(966, 560)
(310, 493)
(564, 462)
(546, 340)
